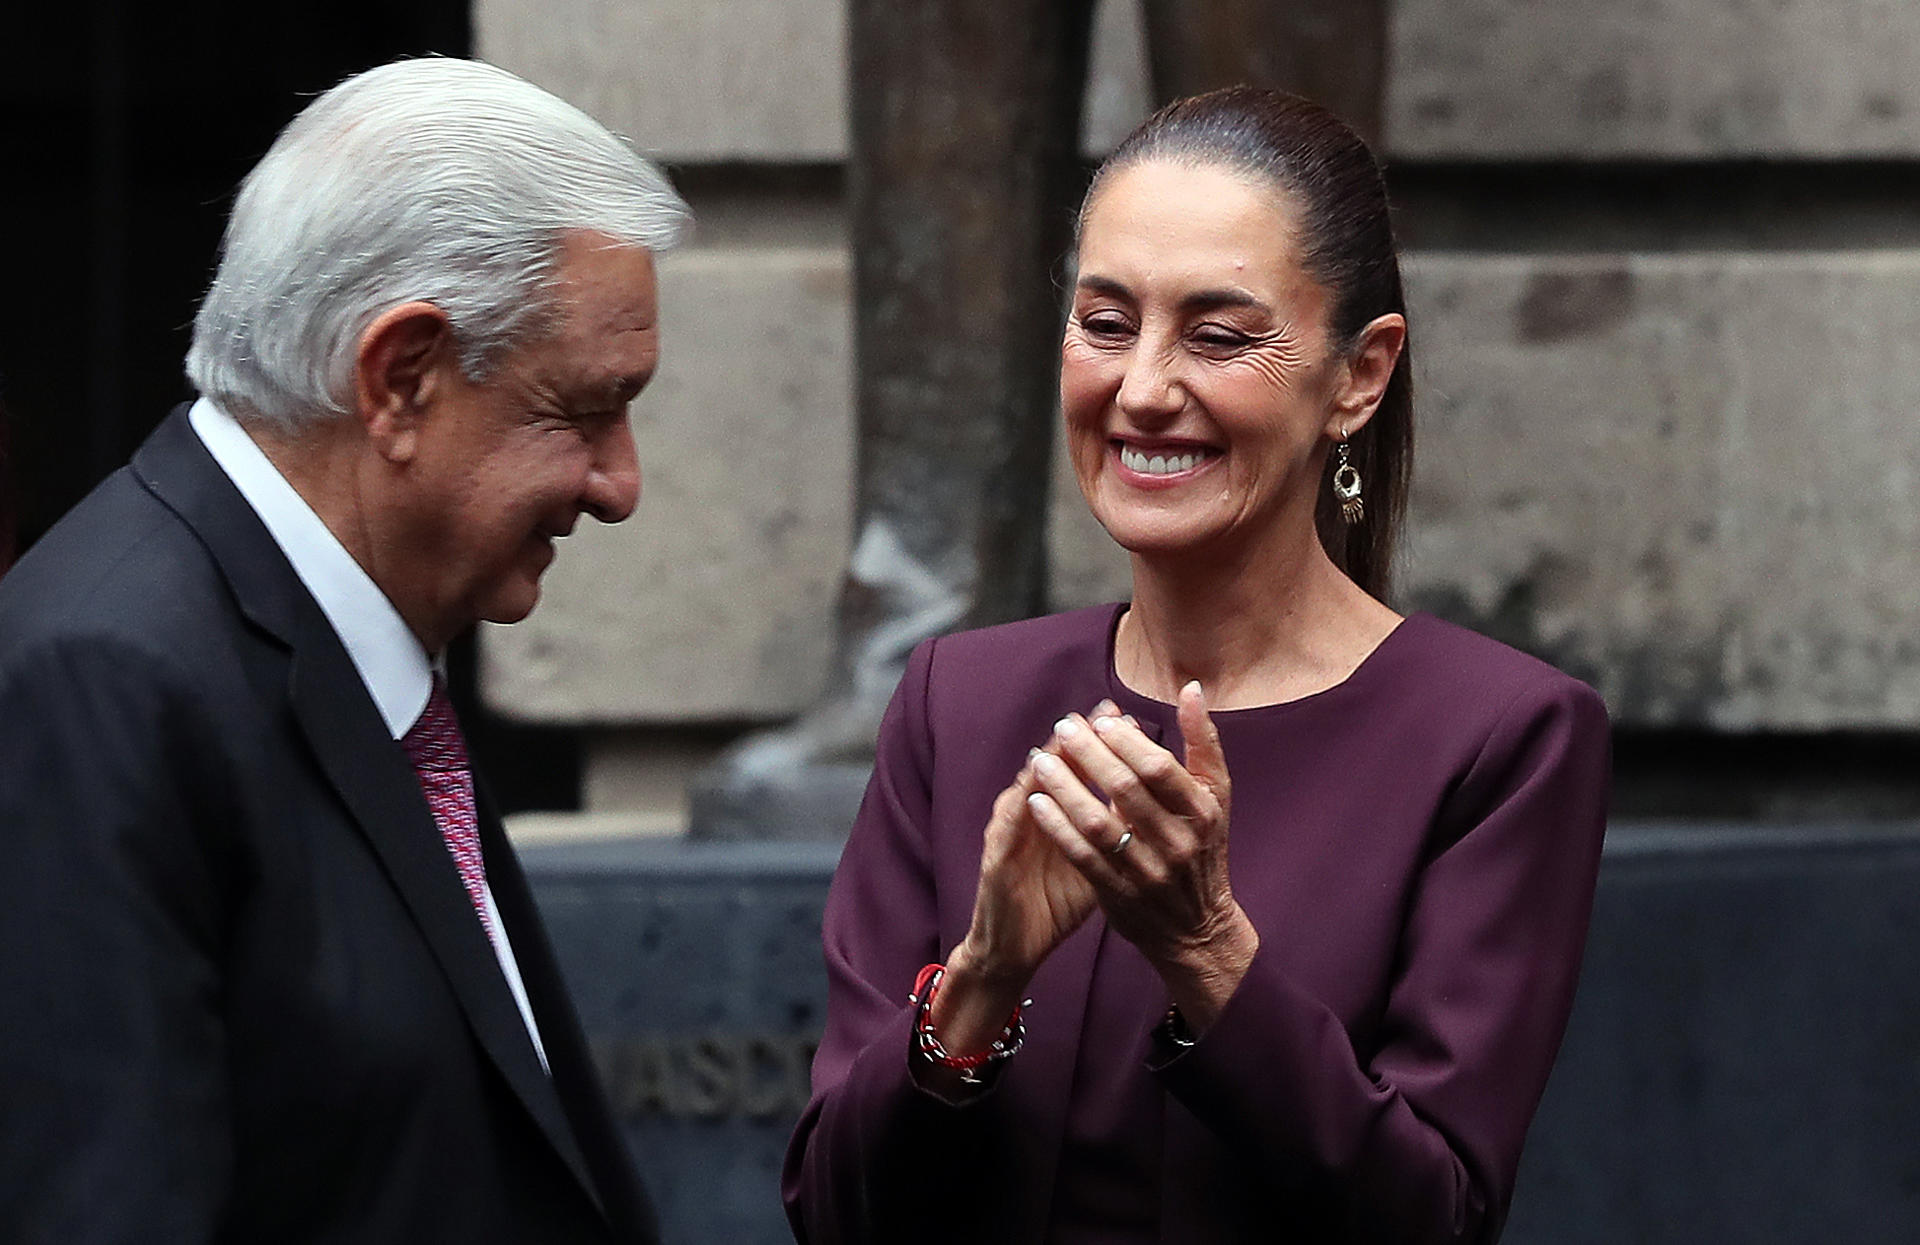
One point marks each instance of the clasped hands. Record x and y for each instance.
(1102, 816)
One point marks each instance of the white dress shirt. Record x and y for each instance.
(396, 669)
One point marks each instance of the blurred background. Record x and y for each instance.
(1663, 259)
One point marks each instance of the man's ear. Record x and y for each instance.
(399, 370)
(1368, 370)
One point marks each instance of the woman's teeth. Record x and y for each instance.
(1160, 464)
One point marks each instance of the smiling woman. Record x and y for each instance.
(1246, 909)
(1199, 378)
(1243, 257)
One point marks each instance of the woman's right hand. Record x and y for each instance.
(1030, 899)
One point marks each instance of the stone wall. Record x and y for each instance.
(1490, 79)
(1663, 303)
(1739, 1065)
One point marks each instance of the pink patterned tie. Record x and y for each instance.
(439, 756)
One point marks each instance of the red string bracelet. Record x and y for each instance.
(1005, 1046)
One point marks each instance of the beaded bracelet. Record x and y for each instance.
(1008, 1044)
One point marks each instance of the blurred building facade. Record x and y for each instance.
(1665, 287)
(1663, 262)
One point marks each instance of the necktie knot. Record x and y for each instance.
(434, 742)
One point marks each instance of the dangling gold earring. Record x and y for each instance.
(1346, 486)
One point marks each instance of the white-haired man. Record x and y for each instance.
(268, 973)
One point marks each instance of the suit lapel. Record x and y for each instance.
(573, 1074)
(369, 772)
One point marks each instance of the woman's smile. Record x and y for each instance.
(1160, 465)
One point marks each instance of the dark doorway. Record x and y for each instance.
(124, 129)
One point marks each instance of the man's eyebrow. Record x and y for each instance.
(1198, 300)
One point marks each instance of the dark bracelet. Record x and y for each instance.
(1173, 1030)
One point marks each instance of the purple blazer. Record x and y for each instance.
(1417, 847)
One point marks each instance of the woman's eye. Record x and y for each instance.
(1214, 337)
(1105, 327)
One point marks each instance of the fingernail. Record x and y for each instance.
(1036, 800)
(1106, 708)
(1129, 720)
(1046, 763)
(1193, 685)
(1104, 724)
(1032, 753)
(1065, 727)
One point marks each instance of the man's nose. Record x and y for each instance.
(613, 484)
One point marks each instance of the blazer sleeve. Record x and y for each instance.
(873, 1150)
(1418, 1139)
(113, 1126)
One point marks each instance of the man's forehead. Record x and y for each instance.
(607, 288)
(585, 255)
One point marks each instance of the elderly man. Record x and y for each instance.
(268, 972)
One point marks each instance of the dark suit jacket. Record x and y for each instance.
(243, 993)
(1417, 848)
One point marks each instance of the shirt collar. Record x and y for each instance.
(395, 668)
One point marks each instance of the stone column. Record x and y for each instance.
(962, 179)
(1331, 51)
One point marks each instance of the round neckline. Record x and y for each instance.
(1132, 701)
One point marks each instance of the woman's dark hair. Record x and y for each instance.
(1332, 181)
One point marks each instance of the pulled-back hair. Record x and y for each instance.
(442, 180)
(1331, 180)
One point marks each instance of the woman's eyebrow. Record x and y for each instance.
(1197, 300)
(1103, 285)
(1227, 296)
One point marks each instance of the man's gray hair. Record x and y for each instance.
(442, 180)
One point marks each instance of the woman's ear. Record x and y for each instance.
(398, 373)
(1368, 371)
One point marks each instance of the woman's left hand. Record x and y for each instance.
(1155, 850)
